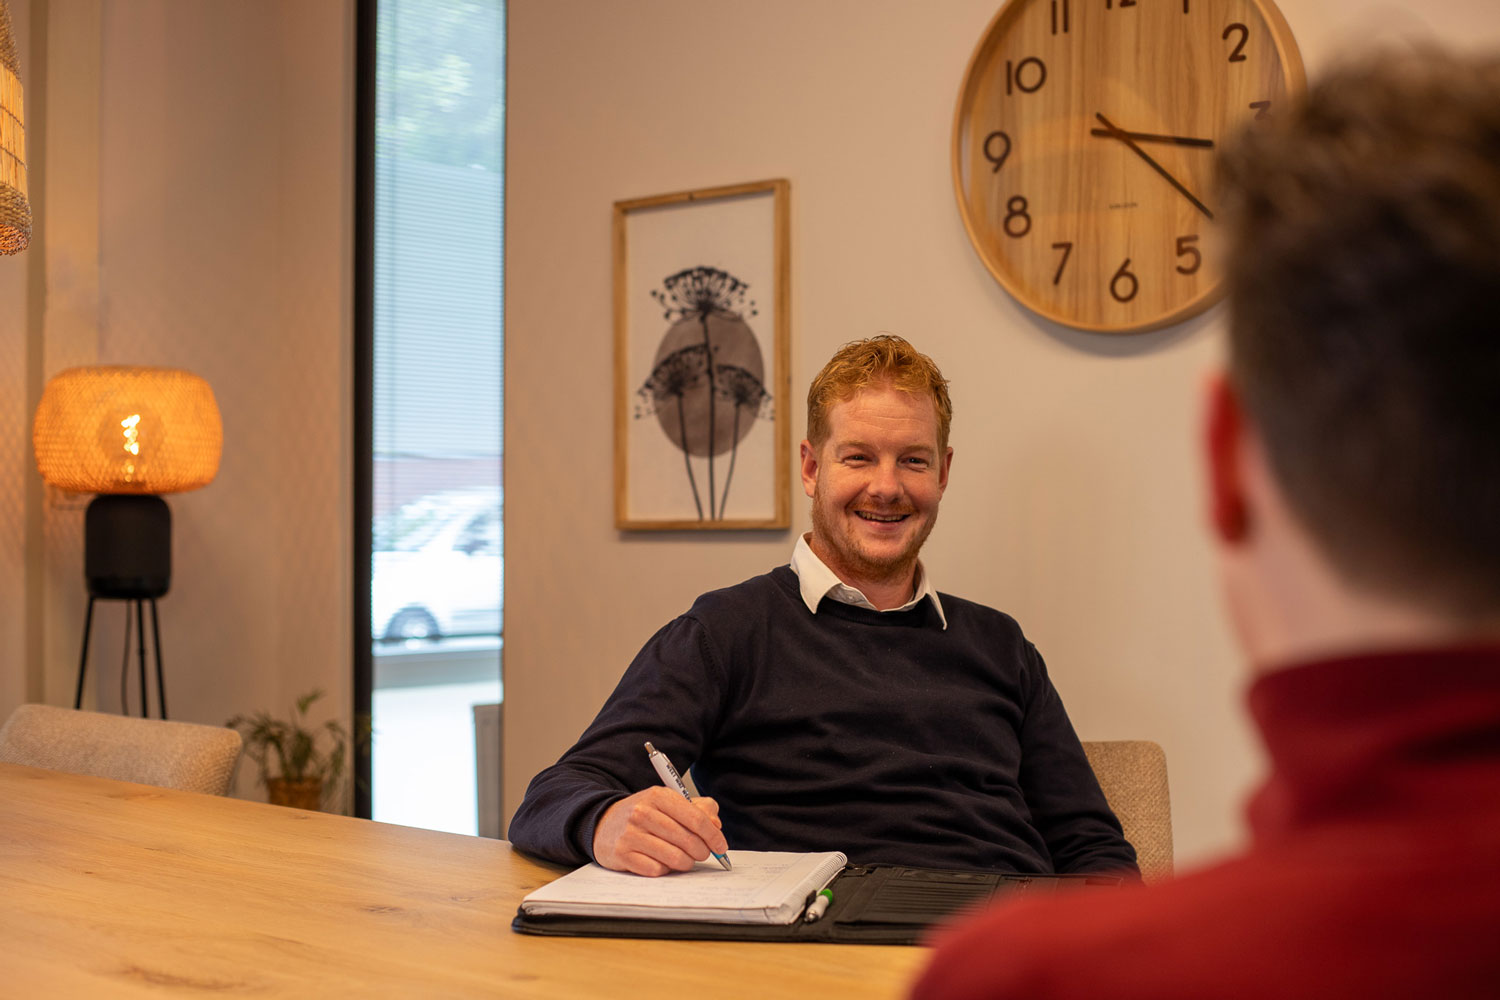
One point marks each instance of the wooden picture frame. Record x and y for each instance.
(702, 371)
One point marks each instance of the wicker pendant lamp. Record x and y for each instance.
(15, 209)
(127, 434)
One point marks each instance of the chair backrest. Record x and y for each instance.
(182, 755)
(1133, 775)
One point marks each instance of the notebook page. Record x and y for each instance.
(764, 887)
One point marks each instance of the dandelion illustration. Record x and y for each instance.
(744, 391)
(671, 379)
(708, 373)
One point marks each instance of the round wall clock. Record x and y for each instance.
(1083, 148)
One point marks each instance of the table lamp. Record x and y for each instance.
(127, 434)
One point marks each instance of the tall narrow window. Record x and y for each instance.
(435, 495)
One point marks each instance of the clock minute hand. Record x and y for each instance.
(1176, 140)
(1114, 132)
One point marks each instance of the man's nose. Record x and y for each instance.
(885, 484)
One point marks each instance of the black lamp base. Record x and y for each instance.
(127, 546)
(127, 556)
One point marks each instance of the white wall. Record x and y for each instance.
(1074, 500)
(198, 214)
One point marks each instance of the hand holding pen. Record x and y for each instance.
(671, 779)
(659, 830)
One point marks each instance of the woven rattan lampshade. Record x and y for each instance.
(15, 209)
(123, 429)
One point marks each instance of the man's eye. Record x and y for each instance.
(919, 462)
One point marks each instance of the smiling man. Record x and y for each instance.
(840, 702)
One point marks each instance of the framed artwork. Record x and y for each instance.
(701, 359)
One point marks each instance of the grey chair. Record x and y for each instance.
(181, 755)
(1133, 775)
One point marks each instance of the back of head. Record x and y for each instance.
(882, 360)
(1363, 264)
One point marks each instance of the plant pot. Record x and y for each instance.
(306, 794)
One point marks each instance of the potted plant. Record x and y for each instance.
(308, 763)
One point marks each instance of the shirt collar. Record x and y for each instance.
(816, 581)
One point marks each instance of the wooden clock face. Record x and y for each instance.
(1084, 146)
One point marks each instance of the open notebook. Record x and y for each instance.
(765, 887)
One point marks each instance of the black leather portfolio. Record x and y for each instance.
(872, 904)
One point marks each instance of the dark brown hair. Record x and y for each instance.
(884, 359)
(1363, 271)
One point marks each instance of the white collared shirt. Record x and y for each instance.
(817, 581)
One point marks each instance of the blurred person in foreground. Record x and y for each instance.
(1354, 478)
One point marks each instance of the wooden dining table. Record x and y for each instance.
(112, 889)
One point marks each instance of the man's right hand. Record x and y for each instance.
(656, 831)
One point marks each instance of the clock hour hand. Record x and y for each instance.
(1114, 132)
(1176, 140)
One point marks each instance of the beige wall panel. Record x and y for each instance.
(226, 221)
(201, 210)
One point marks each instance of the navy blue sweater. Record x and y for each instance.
(881, 735)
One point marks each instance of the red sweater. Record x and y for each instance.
(1374, 867)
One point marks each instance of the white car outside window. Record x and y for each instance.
(437, 568)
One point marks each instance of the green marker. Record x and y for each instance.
(819, 906)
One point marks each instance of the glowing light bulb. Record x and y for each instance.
(132, 430)
(132, 425)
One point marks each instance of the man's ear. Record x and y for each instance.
(1223, 452)
(809, 467)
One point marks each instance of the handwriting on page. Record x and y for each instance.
(705, 885)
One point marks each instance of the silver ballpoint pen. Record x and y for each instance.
(672, 779)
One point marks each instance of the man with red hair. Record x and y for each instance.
(839, 702)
